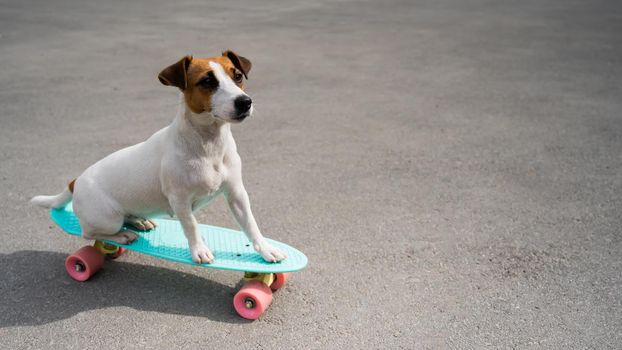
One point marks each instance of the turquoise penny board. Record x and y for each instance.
(232, 250)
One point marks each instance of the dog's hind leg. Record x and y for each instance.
(105, 225)
(140, 223)
(121, 237)
(100, 217)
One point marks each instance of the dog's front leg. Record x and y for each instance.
(182, 207)
(241, 209)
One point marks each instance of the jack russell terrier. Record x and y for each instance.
(179, 169)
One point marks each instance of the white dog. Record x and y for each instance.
(179, 169)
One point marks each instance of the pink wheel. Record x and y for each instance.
(118, 253)
(252, 300)
(84, 263)
(279, 280)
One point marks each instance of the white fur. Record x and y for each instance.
(55, 201)
(179, 169)
(222, 100)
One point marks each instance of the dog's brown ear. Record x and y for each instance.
(240, 62)
(175, 74)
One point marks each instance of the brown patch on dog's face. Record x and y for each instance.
(202, 83)
(195, 78)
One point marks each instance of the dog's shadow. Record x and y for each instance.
(35, 290)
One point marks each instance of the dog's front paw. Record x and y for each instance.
(201, 254)
(269, 253)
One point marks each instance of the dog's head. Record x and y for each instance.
(213, 85)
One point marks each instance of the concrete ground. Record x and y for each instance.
(452, 169)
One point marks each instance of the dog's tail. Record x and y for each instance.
(57, 201)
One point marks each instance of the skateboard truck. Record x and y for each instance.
(105, 248)
(266, 278)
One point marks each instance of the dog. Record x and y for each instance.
(177, 170)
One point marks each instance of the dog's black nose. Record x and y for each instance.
(242, 103)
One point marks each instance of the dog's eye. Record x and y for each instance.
(238, 77)
(208, 82)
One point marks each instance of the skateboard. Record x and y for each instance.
(232, 251)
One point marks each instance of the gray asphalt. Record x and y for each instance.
(452, 169)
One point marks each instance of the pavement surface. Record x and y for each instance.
(452, 169)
